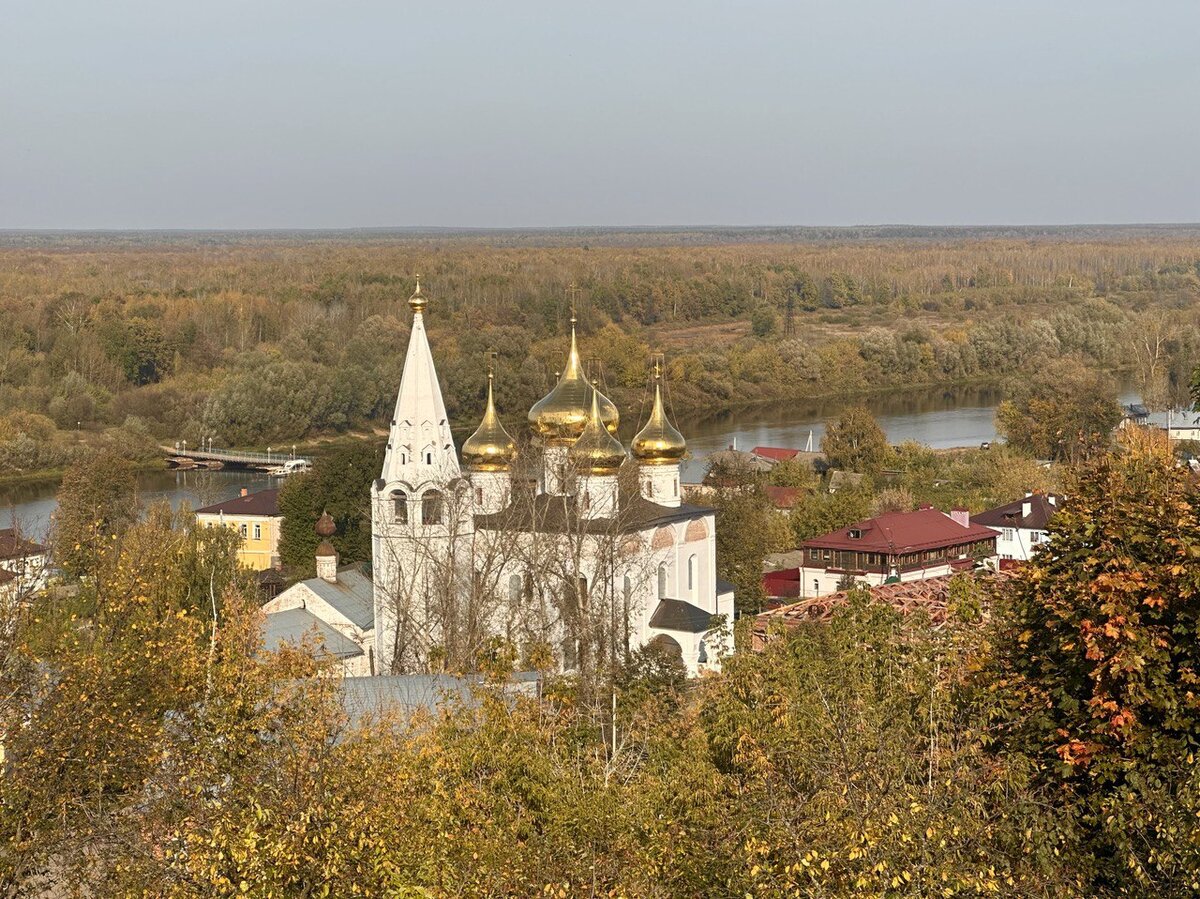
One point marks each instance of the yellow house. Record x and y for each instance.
(255, 516)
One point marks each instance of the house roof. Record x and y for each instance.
(902, 532)
(839, 479)
(680, 615)
(353, 596)
(786, 454)
(782, 497)
(14, 546)
(778, 453)
(931, 596)
(373, 697)
(292, 626)
(739, 460)
(1012, 515)
(264, 502)
(544, 513)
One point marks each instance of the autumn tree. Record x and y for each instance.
(1064, 411)
(96, 501)
(94, 683)
(855, 442)
(1099, 659)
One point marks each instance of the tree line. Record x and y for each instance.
(275, 341)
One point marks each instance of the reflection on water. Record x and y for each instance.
(938, 417)
(32, 505)
(954, 416)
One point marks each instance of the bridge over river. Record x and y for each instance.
(180, 456)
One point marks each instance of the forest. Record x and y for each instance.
(254, 340)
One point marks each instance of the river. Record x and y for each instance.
(940, 418)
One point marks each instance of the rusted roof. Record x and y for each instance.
(931, 596)
(14, 546)
(782, 497)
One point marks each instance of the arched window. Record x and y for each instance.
(400, 507)
(662, 581)
(431, 507)
(702, 653)
(428, 458)
(692, 573)
(516, 587)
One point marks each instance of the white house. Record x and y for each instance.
(24, 565)
(1020, 525)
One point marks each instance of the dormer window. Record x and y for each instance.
(855, 534)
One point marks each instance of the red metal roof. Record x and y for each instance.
(779, 453)
(902, 532)
(782, 583)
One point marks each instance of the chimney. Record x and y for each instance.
(1026, 509)
(1052, 499)
(245, 491)
(961, 516)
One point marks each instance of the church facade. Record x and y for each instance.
(571, 548)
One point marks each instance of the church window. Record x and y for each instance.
(479, 494)
(400, 507)
(403, 459)
(816, 586)
(431, 507)
(702, 653)
(516, 587)
(649, 486)
(691, 573)
(429, 458)
(677, 486)
(662, 581)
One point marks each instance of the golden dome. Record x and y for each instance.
(560, 416)
(490, 448)
(417, 301)
(658, 443)
(596, 451)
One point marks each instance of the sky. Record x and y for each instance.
(390, 113)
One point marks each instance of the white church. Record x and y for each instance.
(573, 549)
